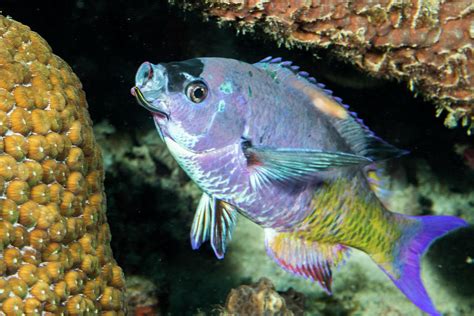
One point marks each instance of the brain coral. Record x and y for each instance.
(429, 44)
(55, 256)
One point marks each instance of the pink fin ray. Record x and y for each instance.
(310, 260)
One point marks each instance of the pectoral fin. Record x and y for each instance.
(293, 164)
(214, 220)
(201, 222)
(311, 260)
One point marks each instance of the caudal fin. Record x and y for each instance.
(414, 242)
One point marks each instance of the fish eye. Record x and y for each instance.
(196, 91)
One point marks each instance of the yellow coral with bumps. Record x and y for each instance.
(55, 255)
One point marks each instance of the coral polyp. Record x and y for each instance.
(52, 217)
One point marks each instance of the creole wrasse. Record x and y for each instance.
(267, 141)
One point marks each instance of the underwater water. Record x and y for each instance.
(151, 201)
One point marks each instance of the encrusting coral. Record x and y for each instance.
(256, 299)
(54, 237)
(141, 297)
(429, 44)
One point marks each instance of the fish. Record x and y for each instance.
(271, 143)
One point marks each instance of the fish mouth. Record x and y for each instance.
(154, 109)
(159, 116)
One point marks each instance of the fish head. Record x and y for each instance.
(196, 103)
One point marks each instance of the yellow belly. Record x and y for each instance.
(347, 212)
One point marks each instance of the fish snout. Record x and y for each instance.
(144, 74)
(151, 78)
(150, 86)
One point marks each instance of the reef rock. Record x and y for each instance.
(257, 299)
(141, 297)
(428, 44)
(54, 237)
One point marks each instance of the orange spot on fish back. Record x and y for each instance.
(321, 101)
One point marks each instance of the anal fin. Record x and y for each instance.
(308, 259)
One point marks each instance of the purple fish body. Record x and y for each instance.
(270, 143)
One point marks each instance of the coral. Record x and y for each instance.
(295, 301)
(257, 299)
(56, 256)
(141, 296)
(428, 44)
(467, 153)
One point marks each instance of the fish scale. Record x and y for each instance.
(271, 143)
(213, 181)
(371, 232)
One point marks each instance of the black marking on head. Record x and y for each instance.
(245, 143)
(252, 159)
(176, 70)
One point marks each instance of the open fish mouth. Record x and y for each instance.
(138, 94)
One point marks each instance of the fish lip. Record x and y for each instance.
(160, 116)
(138, 94)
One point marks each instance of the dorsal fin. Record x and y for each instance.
(363, 141)
(359, 137)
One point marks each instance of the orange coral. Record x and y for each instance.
(145, 311)
(256, 299)
(429, 44)
(54, 237)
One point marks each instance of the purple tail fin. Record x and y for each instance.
(413, 245)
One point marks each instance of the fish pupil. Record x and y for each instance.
(199, 93)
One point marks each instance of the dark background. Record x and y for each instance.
(105, 42)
